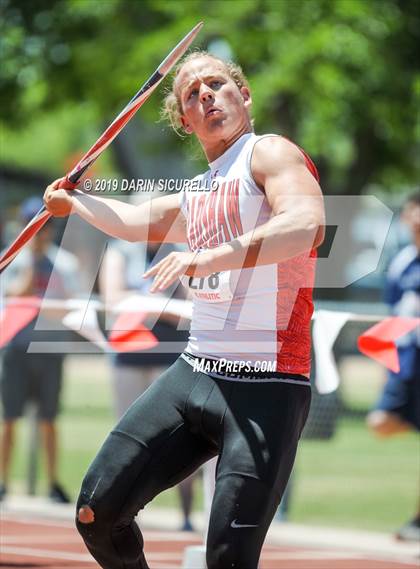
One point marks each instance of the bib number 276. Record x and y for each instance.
(197, 283)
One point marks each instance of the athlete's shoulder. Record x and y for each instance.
(277, 145)
(273, 153)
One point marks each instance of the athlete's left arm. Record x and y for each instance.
(298, 221)
(296, 226)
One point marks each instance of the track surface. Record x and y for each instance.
(30, 542)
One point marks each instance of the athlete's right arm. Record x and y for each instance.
(158, 220)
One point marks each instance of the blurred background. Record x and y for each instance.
(341, 78)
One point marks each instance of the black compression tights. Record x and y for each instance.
(181, 421)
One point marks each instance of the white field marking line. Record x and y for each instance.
(194, 539)
(154, 537)
(39, 521)
(317, 555)
(273, 555)
(38, 539)
(84, 557)
(395, 559)
(155, 557)
(164, 556)
(67, 567)
(30, 552)
(149, 535)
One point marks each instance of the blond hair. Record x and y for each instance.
(172, 106)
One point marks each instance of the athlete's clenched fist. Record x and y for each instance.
(57, 199)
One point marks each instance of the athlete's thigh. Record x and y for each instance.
(262, 427)
(150, 449)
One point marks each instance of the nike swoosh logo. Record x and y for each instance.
(234, 525)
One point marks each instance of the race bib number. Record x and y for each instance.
(214, 288)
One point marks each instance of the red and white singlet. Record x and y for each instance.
(257, 314)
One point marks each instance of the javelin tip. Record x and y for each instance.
(179, 50)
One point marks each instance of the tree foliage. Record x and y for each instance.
(340, 77)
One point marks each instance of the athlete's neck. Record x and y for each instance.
(214, 149)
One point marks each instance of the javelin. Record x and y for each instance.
(73, 177)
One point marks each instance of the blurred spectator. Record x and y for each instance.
(398, 409)
(35, 377)
(133, 372)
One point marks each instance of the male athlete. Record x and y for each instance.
(252, 240)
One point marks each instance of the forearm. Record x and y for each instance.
(280, 238)
(113, 217)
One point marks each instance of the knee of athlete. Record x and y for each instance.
(93, 517)
(85, 515)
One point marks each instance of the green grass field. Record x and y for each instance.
(352, 480)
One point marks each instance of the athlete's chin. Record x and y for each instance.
(220, 127)
(216, 122)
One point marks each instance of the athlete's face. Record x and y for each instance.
(214, 108)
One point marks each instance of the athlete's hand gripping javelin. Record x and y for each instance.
(58, 199)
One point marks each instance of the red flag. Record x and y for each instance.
(378, 342)
(128, 334)
(16, 315)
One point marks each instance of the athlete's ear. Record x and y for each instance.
(246, 95)
(188, 129)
